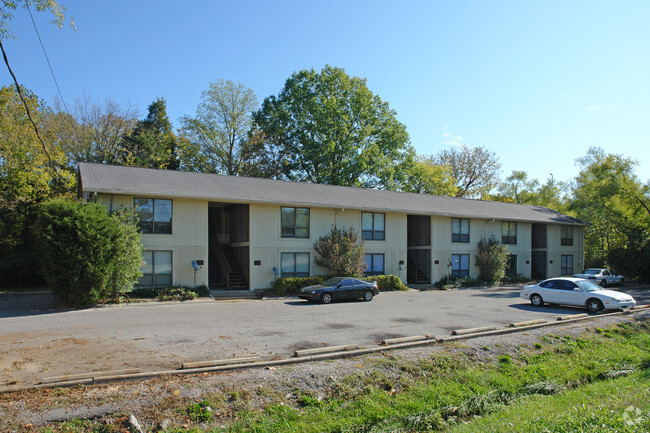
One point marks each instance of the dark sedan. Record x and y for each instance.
(339, 288)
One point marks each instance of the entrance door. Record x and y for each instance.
(538, 265)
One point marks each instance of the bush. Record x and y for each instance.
(294, 284)
(456, 283)
(87, 255)
(342, 252)
(169, 293)
(175, 294)
(388, 283)
(491, 260)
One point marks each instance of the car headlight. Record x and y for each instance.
(313, 292)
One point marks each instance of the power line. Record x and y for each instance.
(46, 57)
(29, 114)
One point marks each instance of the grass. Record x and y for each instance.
(596, 383)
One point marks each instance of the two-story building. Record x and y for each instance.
(240, 232)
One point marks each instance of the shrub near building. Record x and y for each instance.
(87, 255)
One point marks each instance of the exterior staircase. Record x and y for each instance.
(236, 278)
(415, 274)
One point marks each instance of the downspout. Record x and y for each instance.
(336, 212)
(486, 224)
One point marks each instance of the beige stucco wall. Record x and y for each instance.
(443, 248)
(267, 244)
(188, 240)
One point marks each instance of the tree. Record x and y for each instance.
(518, 188)
(475, 169)
(8, 6)
(331, 129)
(87, 255)
(491, 260)
(608, 195)
(341, 252)
(427, 177)
(220, 128)
(27, 178)
(152, 143)
(94, 132)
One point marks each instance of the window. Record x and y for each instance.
(154, 214)
(373, 226)
(375, 264)
(459, 265)
(567, 265)
(295, 222)
(157, 270)
(509, 233)
(566, 237)
(295, 264)
(511, 268)
(460, 230)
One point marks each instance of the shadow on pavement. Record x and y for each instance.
(28, 304)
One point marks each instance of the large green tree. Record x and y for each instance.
(519, 188)
(29, 174)
(609, 195)
(475, 170)
(217, 137)
(152, 143)
(330, 128)
(427, 177)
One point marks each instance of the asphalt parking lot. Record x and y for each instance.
(38, 341)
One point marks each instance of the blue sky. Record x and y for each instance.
(536, 82)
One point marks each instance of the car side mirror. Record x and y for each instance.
(576, 289)
(339, 286)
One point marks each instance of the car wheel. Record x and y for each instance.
(326, 298)
(603, 283)
(594, 305)
(536, 300)
(367, 296)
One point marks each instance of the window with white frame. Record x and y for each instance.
(295, 264)
(157, 269)
(460, 230)
(295, 222)
(459, 265)
(375, 264)
(566, 235)
(508, 233)
(154, 215)
(373, 226)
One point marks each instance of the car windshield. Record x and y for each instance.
(332, 281)
(588, 286)
(591, 271)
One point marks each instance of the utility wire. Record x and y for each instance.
(46, 57)
(22, 98)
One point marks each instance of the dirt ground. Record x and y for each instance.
(151, 400)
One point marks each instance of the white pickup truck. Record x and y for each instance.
(602, 276)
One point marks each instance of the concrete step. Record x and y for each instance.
(232, 294)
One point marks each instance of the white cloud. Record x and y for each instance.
(451, 139)
(603, 107)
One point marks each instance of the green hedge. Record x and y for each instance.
(388, 283)
(294, 284)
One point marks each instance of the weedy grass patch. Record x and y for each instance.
(573, 379)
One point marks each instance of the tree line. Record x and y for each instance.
(322, 127)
